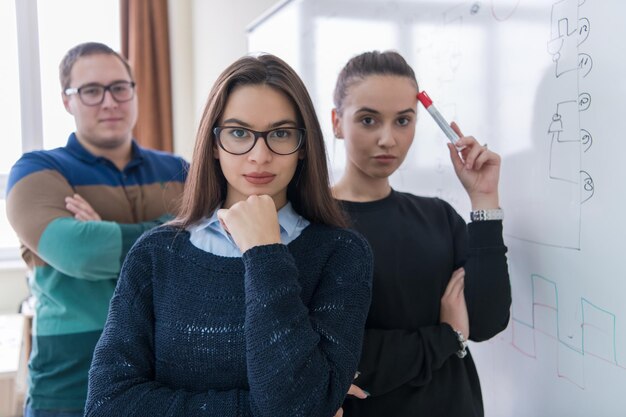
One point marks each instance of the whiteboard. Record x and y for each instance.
(543, 82)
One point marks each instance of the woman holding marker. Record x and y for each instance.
(437, 281)
(253, 301)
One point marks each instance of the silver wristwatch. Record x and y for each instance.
(488, 214)
(462, 352)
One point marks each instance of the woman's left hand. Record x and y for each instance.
(358, 392)
(252, 222)
(355, 392)
(478, 169)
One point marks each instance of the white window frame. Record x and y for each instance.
(30, 77)
(30, 98)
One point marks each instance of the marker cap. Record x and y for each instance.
(424, 99)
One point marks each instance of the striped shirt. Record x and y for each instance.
(75, 264)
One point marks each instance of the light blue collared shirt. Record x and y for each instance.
(209, 235)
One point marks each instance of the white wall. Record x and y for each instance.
(181, 56)
(13, 288)
(206, 36)
(546, 99)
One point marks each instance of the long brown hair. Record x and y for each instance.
(366, 64)
(309, 189)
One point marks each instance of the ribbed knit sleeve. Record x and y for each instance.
(302, 359)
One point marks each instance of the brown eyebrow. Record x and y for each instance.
(244, 124)
(236, 121)
(283, 122)
(95, 84)
(369, 110)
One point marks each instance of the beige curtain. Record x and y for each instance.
(145, 43)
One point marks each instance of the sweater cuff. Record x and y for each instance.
(262, 253)
(450, 338)
(268, 267)
(485, 234)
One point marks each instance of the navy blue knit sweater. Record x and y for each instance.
(277, 332)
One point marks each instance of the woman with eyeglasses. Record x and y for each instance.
(253, 301)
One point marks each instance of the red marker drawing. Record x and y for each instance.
(428, 104)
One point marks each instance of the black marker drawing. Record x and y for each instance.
(587, 186)
(586, 139)
(567, 32)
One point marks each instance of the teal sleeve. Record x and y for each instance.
(131, 232)
(92, 250)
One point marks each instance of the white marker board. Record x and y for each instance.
(544, 84)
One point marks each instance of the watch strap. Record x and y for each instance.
(487, 214)
(462, 352)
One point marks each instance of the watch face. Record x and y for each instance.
(489, 214)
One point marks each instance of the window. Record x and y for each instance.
(10, 111)
(90, 21)
(30, 80)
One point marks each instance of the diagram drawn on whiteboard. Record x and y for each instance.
(552, 214)
(593, 337)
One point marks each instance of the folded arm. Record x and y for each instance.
(37, 211)
(303, 358)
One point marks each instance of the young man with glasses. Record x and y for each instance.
(77, 211)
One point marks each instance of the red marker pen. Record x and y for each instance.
(428, 104)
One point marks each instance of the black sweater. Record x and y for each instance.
(408, 363)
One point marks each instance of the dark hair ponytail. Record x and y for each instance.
(370, 63)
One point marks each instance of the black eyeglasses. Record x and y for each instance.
(238, 140)
(93, 94)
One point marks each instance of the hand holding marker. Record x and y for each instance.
(428, 104)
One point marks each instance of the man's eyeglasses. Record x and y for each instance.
(239, 140)
(93, 94)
